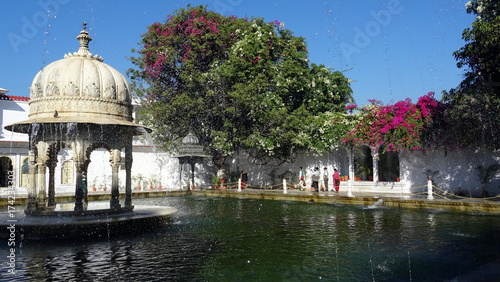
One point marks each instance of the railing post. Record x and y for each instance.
(284, 186)
(429, 190)
(349, 188)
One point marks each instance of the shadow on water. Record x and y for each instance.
(226, 239)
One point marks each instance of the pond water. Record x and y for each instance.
(228, 239)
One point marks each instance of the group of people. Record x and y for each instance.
(315, 177)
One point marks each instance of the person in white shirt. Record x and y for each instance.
(302, 178)
(325, 178)
(315, 179)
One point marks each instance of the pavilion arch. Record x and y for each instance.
(98, 179)
(67, 172)
(25, 170)
(363, 163)
(6, 168)
(373, 164)
(388, 165)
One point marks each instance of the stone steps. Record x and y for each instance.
(376, 187)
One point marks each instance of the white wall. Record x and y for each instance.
(266, 174)
(11, 112)
(457, 169)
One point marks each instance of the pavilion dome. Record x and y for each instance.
(190, 147)
(190, 139)
(80, 88)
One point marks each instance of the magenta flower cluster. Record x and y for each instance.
(395, 127)
(193, 28)
(351, 108)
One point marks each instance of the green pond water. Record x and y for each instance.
(228, 239)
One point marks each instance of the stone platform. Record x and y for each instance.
(93, 224)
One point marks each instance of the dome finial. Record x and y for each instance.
(84, 40)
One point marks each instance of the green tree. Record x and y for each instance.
(480, 56)
(473, 108)
(238, 84)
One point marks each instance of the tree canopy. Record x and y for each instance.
(238, 84)
(473, 108)
(480, 55)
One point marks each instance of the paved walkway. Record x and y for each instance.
(357, 198)
(360, 194)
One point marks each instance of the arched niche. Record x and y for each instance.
(6, 167)
(363, 163)
(388, 165)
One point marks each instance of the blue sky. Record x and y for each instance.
(392, 49)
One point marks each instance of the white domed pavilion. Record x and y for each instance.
(83, 104)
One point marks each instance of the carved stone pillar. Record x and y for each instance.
(350, 156)
(85, 182)
(79, 160)
(42, 168)
(32, 203)
(114, 159)
(52, 192)
(52, 163)
(192, 162)
(79, 193)
(42, 194)
(375, 155)
(128, 176)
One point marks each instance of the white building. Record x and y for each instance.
(453, 170)
(403, 172)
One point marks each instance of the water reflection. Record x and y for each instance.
(222, 239)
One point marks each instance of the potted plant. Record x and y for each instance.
(94, 184)
(104, 183)
(138, 179)
(215, 181)
(159, 181)
(222, 181)
(486, 175)
(152, 181)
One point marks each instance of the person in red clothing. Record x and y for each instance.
(244, 179)
(336, 179)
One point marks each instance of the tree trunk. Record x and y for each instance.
(220, 166)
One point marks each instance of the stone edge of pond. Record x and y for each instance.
(465, 205)
(389, 201)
